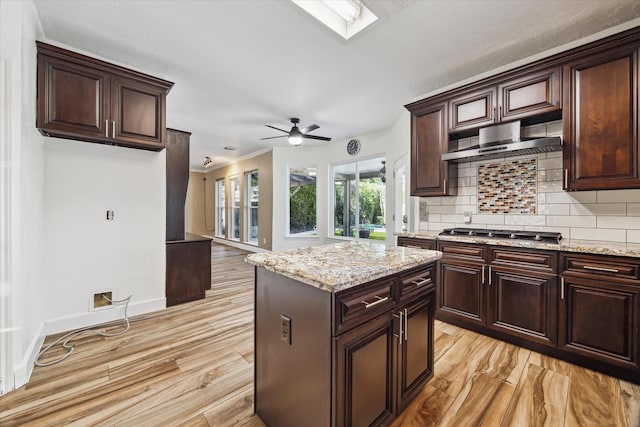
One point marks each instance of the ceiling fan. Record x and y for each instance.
(296, 135)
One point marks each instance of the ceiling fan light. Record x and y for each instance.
(295, 139)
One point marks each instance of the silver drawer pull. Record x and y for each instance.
(419, 283)
(610, 270)
(412, 246)
(372, 304)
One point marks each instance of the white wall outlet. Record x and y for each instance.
(467, 217)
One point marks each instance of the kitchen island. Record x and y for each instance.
(343, 333)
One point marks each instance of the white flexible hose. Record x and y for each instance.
(71, 335)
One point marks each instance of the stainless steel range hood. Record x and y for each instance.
(502, 141)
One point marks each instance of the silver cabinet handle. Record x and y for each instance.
(445, 186)
(495, 117)
(489, 275)
(373, 304)
(406, 325)
(412, 246)
(399, 334)
(113, 129)
(483, 274)
(106, 128)
(609, 270)
(419, 283)
(566, 178)
(499, 112)
(562, 288)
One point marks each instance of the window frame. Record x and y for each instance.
(220, 210)
(332, 197)
(287, 224)
(248, 207)
(230, 228)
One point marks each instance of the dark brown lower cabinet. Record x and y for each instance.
(366, 352)
(461, 291)
(583, 308)
(415, 352)
(188, 270)
(599, 320)
(364, 372)
(523, 303)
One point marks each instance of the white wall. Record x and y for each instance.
(88, 254)
(22, 181)
(393, 143)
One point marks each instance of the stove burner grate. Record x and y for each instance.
(538, 236)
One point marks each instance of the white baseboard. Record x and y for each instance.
(22, 371)
(93, 318)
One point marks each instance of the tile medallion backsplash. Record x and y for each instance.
(509, 187)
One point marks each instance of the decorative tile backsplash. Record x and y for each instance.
(509, 187)
(607, 215)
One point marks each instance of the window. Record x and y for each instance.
(234, 230)
(251, 206)
(360, 199)
(302, 202)
(220, 208)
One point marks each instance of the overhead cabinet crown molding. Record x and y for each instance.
(87, 99)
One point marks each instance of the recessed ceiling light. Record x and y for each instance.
(230, 148)
(345, 17)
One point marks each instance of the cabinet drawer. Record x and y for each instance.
(356, 306)
(469, 252)
(419, 279)
(537, 260)
(414, 242)
(595, 265)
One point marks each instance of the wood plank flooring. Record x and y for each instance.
(192, 365)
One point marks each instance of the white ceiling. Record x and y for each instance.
(240, 64)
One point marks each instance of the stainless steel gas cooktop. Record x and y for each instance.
(538, 236)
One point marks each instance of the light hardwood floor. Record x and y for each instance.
(192, 365)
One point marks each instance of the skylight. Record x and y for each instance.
(345, 17)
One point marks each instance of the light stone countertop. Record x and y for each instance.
(581, 246)
(338, 266)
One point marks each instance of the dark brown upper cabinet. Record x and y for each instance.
(431, 176)
(86, 99)
(533, 93)
(601, 120)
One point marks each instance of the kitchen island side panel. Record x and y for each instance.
(292, 381)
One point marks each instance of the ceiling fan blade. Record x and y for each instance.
(309, 128)
(273, 127)
(273, 137)
(320, 138)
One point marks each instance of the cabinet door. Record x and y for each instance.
(415, 356)
(532, 94)
(364, 363)
(137, 113)
(601, 121)
(460, 293)
(523, 303)
(73, 100)
(473, 110)
(599, 320)
(431, 176)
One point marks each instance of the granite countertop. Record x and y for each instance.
(338, 266)
(581, 246)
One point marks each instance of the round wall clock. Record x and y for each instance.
(353, 147)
